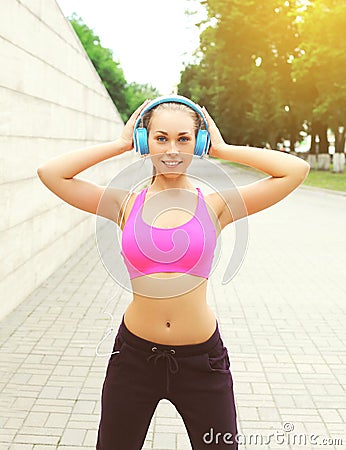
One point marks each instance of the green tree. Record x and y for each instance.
(321, 67)
(265, 69)
(126, 96)
(136, 94)
(244, 70)
(109, 70)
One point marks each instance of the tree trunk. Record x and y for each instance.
(339, 155)
(324, 144)
(340, 141)
(312, 150)
(272, 139)
(323, 158)
(312, 153)
(293, 130)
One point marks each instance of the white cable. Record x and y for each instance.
(111, 328)
(109, 331)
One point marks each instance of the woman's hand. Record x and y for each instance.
(126, 136)
(216, 139)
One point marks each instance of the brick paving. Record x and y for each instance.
(282, 318)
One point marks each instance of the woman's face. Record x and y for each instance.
(171, 137)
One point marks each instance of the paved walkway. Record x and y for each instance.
(282, 319)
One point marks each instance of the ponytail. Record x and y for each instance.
(154, 175)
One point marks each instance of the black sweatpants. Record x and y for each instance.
(195, 378)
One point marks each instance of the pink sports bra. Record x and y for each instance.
(188, 248)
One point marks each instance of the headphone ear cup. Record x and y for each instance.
(141, 141)
(202, 141)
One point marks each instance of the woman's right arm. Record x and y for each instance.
(58, 174)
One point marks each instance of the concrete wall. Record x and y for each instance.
(52, 101)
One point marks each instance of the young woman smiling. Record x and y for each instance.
(169, 344)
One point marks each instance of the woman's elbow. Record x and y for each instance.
(41, 173)
(47, 177)
(299, 175)
(304, 170)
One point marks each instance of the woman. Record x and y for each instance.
(168, 344)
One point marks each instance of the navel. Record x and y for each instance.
(168, 324)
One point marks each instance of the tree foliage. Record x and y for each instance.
(126, 96)
(264, 69)
(322, 63)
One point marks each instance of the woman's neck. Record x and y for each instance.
(162, 183)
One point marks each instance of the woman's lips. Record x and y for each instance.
(171, 164)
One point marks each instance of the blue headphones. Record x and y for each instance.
(140, 134)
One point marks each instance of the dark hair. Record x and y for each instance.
(171, 106)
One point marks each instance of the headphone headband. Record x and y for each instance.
(172, 99)
(140, 135)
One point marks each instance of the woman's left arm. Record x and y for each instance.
(286, 171)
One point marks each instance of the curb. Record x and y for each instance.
(323, 190)
(311, 188)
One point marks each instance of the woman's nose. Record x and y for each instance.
(172, 148)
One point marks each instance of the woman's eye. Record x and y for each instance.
(164, 139)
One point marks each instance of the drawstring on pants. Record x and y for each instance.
(171, 363)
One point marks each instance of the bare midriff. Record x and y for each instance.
(175, 320)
